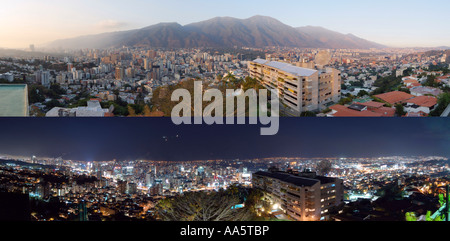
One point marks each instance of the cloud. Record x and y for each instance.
(111, 24)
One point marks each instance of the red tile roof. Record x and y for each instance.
(394, 97)
(414, 85)
(343, 111)
(372, 104)
(425, 101)
(410, 81)
(385, 111)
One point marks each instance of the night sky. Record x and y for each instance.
(97, 139)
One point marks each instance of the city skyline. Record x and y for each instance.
(396, 24)
(137, 138)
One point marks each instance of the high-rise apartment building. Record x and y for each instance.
(119, 73)
(303, 196)
(14, 100)
(299, 89)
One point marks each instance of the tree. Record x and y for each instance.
(229, 77)
(35, 94)
(386, 84)
(346, 100)
(443, 102)
(202, 206)
(308, 114)
(362, 93)
(131, 111)
(254, 199)
(56, 88)
(147, 111)
(404, 89)
(53, 103)
(431, 81)
(400, 110)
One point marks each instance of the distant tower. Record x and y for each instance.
(122, 186)
(119, 73)
(32, 47)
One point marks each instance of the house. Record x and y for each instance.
(425, 90)
(354, 110)
(93, 109)
(410, 82)
(378, 107)
(421, 104)
(394, 97)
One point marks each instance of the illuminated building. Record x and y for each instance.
(82, 211)
(302, 196)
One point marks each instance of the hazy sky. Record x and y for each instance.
(398, 23)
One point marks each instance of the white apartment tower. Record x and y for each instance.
(299, 89)
(302, 196)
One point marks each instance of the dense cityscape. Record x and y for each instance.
(133, 81)
(57, 189)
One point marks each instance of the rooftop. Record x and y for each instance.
(343, 111)
(423, 90)
(13, 100)
(371, 104)
(260, 61)
(289, 68)
(357, 107)
(426, 101)
(394, 97)
(295, 179)
(385, 111)
(93, 109)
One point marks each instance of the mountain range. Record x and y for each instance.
(257, 31)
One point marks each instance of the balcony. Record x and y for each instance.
(290, 82)
(290, 97)
(292, 195)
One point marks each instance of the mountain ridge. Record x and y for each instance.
(256, 31)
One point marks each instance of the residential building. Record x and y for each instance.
(93, 109)
(394, 97)
(367, 109)
(119, 73)
(299, 89)
(303, 196)
(425, 90)
(421, 104)
(14, 100)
